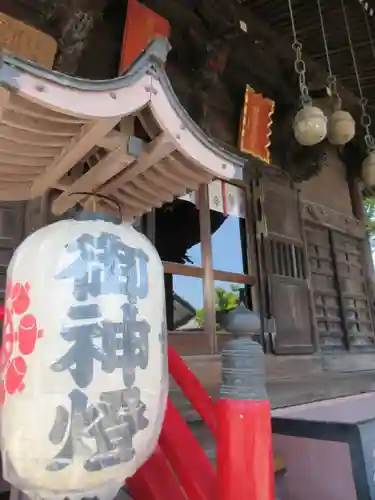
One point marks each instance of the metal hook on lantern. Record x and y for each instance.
(310, 123)
(103, 197)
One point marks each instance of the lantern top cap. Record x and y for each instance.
(104, 216)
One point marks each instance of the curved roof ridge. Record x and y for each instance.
(152, 62)
(51, 122)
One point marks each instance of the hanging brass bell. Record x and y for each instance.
(341, 128)
(368, 169)
(310, 125)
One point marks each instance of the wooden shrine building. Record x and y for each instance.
(287, 236)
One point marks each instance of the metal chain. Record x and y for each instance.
(299, 64)
(331, 79)
(365, 117)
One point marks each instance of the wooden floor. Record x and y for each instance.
(293, 380)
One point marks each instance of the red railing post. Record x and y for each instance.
(244, 434)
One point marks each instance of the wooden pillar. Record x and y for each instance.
(168, 283)
(253, 270)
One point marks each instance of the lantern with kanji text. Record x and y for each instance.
(83, 363)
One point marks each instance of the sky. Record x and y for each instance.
(227, 256)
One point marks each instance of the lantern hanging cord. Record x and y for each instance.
(299, 64)
(332, 82)
(368, 28)
(365, 117)
(103, 197)
(354, 60)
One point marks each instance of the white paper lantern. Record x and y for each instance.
(368, 169)
(310, 125)
(84, 365)
(341, 128)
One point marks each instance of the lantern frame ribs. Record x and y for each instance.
(75, 135)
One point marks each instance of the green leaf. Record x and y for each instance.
(225, 300)
(369, 206)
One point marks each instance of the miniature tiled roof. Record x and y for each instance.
(78, 136)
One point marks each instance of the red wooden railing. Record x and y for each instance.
(192, 389)
(179, 469)
(182, 470)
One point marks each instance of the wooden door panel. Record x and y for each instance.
(288, 289)
(290, 300)
(330, 325)
(353, 287)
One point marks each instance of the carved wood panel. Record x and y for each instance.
(337, 221)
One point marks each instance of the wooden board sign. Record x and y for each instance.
(26, 42)
(142, 25)
(256, 123)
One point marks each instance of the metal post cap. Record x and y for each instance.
(243, 372)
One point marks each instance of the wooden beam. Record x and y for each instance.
(115, 138)
(106, 168)
(71, 154)
(111, 141)
(19, 192)
(107, 171)
(4, 99)
(155, 152)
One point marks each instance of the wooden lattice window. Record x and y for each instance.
(202, 238)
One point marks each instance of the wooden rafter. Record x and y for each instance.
(72, 153)
(4, 99)
(109, 166)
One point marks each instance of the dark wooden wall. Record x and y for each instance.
(330, 186)
(12, 228)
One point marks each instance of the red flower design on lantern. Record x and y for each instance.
(20, 333)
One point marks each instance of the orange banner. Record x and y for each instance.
(142, 25)
(256, 125)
